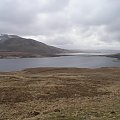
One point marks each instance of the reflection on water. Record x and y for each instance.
(81, 61)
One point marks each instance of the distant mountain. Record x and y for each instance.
(12, 45)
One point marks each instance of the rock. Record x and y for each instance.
(34, 113)
(56, 110)
(112, 112)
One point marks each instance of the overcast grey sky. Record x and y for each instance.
(73, 24)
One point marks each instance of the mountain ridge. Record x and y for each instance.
(13, 44)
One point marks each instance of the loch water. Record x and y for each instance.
(79, 61)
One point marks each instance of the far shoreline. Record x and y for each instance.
(56, 55)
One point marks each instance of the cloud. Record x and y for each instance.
(65, 23)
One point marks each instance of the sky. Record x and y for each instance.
(70, 24)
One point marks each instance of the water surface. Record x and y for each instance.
(64, 61)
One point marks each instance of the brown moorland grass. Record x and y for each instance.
(60, 94)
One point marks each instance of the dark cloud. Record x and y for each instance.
(63, 22)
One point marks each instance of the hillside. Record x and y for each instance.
(16, 46)
(60, 94)
(115, 55)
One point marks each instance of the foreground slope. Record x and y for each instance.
(15, 45)
(60, 94)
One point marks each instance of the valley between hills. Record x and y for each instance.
(13, 46)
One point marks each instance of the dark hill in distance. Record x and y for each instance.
(115, 56)
(15, 46)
